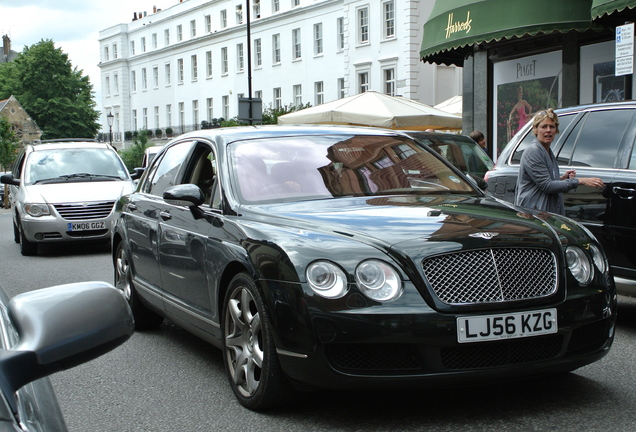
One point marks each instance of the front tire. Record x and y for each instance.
(27, 248)
(16, 233)
(249, 353)
(145, 319)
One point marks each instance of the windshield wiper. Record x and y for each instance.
(66, 177)
(76, 175)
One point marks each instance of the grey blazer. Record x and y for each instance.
(539, 185)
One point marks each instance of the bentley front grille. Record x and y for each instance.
(491, 275)
(84, 211)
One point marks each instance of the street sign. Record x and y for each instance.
(244, 110)
(624, 49)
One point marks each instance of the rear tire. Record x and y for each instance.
(27, 248)
(145, 319)
(249, 353)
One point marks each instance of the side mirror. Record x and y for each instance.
(477, 181)
(189, 195)
(137, 173)
(8, 179)
(62, 327)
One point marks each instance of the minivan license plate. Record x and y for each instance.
(506, 326)
(86, 226)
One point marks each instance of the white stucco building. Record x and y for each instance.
(188, 63)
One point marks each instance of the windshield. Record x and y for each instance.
(73, 164)
(310, 167)
(462, 152)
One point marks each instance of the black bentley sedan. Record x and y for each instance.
(354, 258)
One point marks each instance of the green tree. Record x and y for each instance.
(133, 156)
(8, 147)
(8, 144)
(56, 95)
(270, 115)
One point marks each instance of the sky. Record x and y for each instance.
(73, 25)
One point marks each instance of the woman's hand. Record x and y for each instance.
(594, 182)
(568, 174)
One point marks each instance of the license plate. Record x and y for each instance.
(86, 226)
(506, 326)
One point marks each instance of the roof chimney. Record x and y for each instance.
(6, 43)
(154, 9)
(135, 16)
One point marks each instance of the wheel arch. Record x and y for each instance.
(232, 269)
(117, 238)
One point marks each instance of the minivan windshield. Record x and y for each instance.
(73, 164)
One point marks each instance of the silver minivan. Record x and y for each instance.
(65, 190)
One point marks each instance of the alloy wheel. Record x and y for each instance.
(244, 341)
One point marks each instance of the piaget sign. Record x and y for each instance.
(458, 26)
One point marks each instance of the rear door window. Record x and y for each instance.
(564, 154)
(564, 122)
(597, 139)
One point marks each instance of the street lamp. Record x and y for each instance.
(110, 117)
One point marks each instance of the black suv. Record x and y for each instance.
(597, 141)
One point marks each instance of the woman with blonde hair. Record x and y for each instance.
(539, 185)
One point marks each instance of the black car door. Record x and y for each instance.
(143, 215)
(183, 246)
(592, 149)
(622, 223)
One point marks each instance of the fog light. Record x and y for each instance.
(39, 236)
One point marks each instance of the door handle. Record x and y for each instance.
(132, 207)
(624, 193)
(165, 215)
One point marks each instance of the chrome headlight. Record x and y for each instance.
(599, 258)
(378, 280)
(326, 279)
(579, 264)
(37, 210)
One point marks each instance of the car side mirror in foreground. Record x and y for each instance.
(61, 327)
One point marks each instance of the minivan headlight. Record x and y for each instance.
(579, 264)
(37, 210)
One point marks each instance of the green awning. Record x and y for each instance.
(455, 25)
(608, 7)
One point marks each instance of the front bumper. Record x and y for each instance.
(393, 346)
(55, 229)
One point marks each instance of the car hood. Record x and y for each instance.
(405, 222)
(78, 191)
